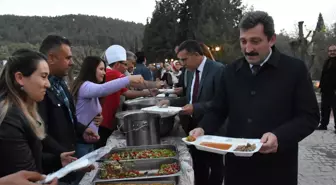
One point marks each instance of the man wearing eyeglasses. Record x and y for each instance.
(328, 88)
(116, 58)
(201, 86)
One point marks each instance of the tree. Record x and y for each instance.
(214, 22)
(80, 52)
(82, 30)
(313, 51)
(160, 31)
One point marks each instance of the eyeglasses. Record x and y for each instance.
(183, 59)
(124, 63)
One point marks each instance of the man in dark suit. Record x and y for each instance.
(265, 95)
(202, 84)
(328, 88)
(57, 108)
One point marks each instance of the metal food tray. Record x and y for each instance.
(137, 183)
(142, 165)
(139, 148)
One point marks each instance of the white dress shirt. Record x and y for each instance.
(200, 69)
(266, 59)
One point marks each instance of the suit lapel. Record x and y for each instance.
(204, 74)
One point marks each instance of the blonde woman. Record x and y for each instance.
(23, 82)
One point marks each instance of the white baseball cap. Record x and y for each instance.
(115, 53)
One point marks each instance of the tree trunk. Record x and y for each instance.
(70, 76)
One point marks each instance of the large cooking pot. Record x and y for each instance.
(142, 129)
(166, 121)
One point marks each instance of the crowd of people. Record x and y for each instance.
(46, 124)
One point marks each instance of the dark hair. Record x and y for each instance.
(140, 57)
(21, 51)
(252, 19)
(86, 73)
(25, 62)
(191, 46)
(51, 42)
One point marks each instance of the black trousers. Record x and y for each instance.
(328, 103)
(104, 134)
(208, 167)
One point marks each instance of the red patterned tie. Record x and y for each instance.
(196, 86)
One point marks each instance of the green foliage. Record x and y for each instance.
(7, 48)
(160, 33)
(213, 22)
(83, 30)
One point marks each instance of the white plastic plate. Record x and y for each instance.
(170, 91)
(83, 162)
(156, 109)
(235, 142)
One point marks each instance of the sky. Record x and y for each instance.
(286, 13)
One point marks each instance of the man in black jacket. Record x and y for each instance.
(328, 88)
(265, 95)
(57, 108)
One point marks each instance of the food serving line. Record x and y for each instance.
(145, 149)
(148, 148)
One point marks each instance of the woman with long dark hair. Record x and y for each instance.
(88, 89)
(23, 82)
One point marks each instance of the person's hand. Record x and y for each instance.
(90, 136)
(196, 132)
(178, 90)
(136, 79)
(158, 84)
(98, 120)
(163, 103)
(23, 178)
(163, 85)
(187, 109)
(154, 92)
(67, 158)
(88, 169)
(270, 143)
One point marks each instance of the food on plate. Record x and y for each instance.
(166, 169)
(143, 154)
(221, 146)
(116, 171)
(191, 138)
(246, 148)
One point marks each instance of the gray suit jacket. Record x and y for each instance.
(209, 86)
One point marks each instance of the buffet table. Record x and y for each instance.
(117, 140)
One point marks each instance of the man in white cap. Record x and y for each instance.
(116, 58)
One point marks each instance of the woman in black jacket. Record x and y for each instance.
(23, 82)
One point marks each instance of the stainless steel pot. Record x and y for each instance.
(166, 121)
(142, 129)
